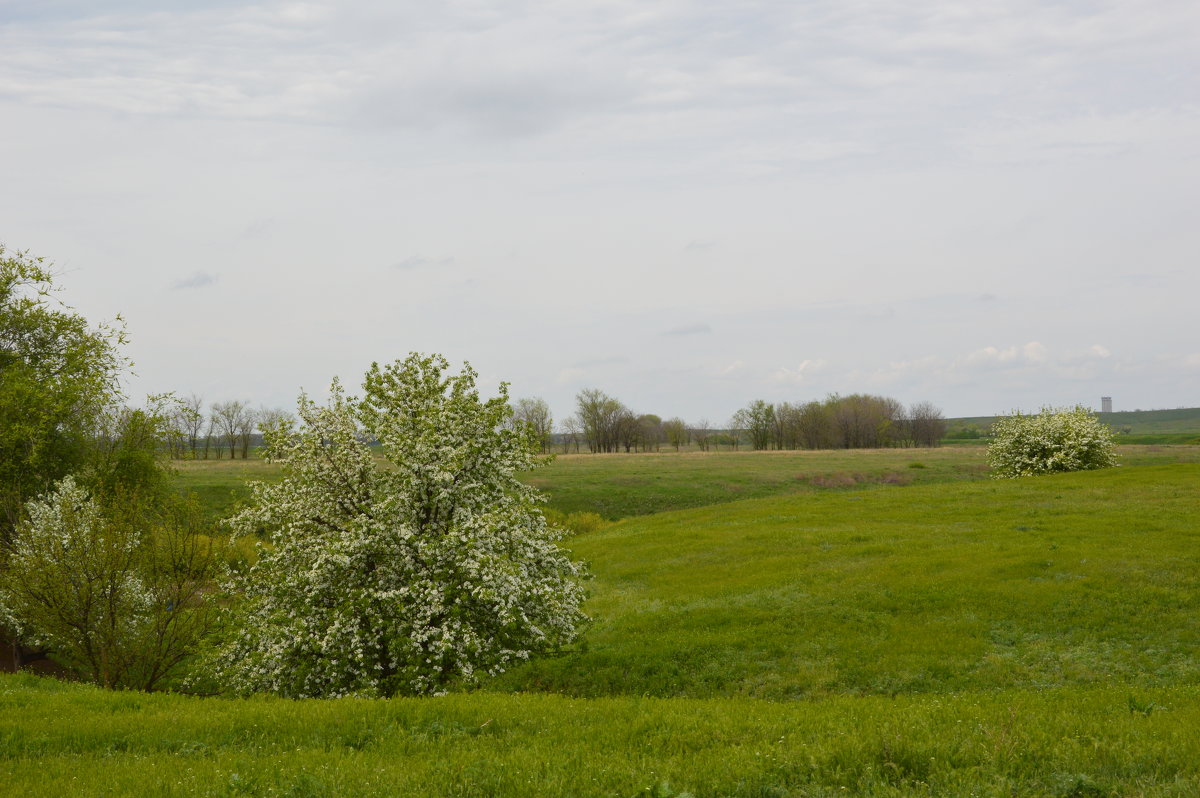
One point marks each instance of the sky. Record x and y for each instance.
(688, 205)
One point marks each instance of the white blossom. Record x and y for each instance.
(1068, 439)
(407, 575)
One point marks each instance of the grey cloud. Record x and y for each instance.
(690, 329)
(413, 262)
(197, 280)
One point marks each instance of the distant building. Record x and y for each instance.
(1105, 404)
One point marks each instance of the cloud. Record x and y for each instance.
(797, 375)
(700, 328)
(693, 247)
(197, 280)
(413, 262)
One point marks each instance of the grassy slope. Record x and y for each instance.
(1090, 578)
(60, 739)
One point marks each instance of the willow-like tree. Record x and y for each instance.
(403, 578)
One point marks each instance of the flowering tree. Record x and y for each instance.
(115, 591)
(1068, 439)
(407, 576)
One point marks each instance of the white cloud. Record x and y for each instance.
(197, 280)
(795, 376)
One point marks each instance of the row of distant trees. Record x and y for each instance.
(602, 423)
(857, 421)
(198, 432)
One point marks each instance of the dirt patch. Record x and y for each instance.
(849, 479)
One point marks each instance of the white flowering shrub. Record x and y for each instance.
(113, 592)
(1068, 439)
(404, 576)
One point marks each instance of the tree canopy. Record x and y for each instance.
(59, 380)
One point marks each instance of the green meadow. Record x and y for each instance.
(883, 623)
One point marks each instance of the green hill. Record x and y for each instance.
(1086, 578)
(1181, 425)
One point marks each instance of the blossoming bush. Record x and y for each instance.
(1068, 439)
(406, 576)
(114, 591)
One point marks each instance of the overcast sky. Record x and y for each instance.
(689, 205)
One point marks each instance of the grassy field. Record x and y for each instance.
(58, 739)
(771, 624)
(623, 485)
(1088, 578)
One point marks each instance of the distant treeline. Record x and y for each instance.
(603, 423)
(196, 432)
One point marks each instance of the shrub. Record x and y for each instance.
(1066, 439)
(115, 592)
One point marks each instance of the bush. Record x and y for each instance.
(115, 592)
(1067, 439)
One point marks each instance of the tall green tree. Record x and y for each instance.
(59, 381)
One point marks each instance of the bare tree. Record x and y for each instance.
(269, 418)
(245, 429)
(536, 413)
(928, 424)
(191, 422)
(570, 434)
(212, 437)
(230, 420)
(626, 429)
(701, 433)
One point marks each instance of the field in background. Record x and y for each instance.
(1181, 425)
(623, 485)
(883, 623)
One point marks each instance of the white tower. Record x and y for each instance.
(1105, 404)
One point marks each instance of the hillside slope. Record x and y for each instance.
(1086, 578)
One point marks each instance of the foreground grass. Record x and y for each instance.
(1079, 579)
(60, 739)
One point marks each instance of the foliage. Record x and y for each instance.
(401, 578)
(1067, 439)
(113, 590)
(59, 377)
